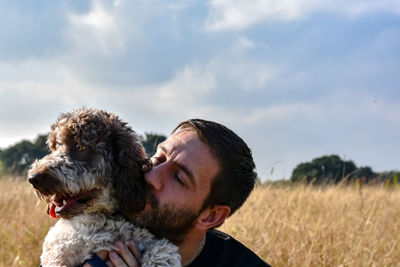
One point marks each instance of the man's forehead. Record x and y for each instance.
(177, 142)
(181, 137)
(183, 129)
(188, 141)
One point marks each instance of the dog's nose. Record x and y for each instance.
(35, 179)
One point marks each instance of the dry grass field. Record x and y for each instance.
(286, 226)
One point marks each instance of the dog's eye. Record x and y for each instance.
(80, 147)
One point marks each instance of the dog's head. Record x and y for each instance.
(95, 165)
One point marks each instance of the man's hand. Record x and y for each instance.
(125, 256)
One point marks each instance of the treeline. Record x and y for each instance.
(16, 159)
(333, 170)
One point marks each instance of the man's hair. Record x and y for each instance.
(236, 177)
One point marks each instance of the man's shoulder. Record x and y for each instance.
(227, 251)
(219, 235)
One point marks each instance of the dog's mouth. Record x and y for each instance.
(64, 205)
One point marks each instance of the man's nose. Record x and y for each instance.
(157, 175)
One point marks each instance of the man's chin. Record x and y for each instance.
(166, 222)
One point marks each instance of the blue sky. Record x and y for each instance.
(296, 79)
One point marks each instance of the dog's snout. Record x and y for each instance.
(36, 179)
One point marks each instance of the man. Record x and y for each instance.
(201, 175)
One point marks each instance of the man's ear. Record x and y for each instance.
(213, 216)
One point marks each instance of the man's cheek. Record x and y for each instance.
(153, 201)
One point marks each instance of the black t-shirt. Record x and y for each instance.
(222, 250)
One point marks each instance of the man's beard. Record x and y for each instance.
(167, 221)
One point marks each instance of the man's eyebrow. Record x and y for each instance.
(185, 169)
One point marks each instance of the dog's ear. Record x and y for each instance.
(129, 157)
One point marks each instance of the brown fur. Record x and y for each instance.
(92, 148)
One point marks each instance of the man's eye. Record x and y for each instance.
(179, 180)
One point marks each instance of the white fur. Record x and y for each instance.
(70, 242)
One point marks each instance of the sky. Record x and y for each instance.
(295, 79)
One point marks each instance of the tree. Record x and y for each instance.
(151, 141)
(17, 158)
(2, 170)
(325, 169)
(364, 173)
(387, 176)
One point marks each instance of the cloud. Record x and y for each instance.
(239, 15)
(251, 75)
(245, 43)
(38, 81)
(284, 112)
(188, 87)
(98, 28)
(186, 91)
(128, 42)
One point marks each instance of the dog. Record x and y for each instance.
(91, 177)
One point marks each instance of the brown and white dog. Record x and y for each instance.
(92, 175)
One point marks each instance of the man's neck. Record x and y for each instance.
(191, 247)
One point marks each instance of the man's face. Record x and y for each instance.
(180, 180)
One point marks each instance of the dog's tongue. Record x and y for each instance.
(52, 210)
(55, 205)
(59, 203)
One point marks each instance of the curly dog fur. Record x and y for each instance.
(92, 175)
